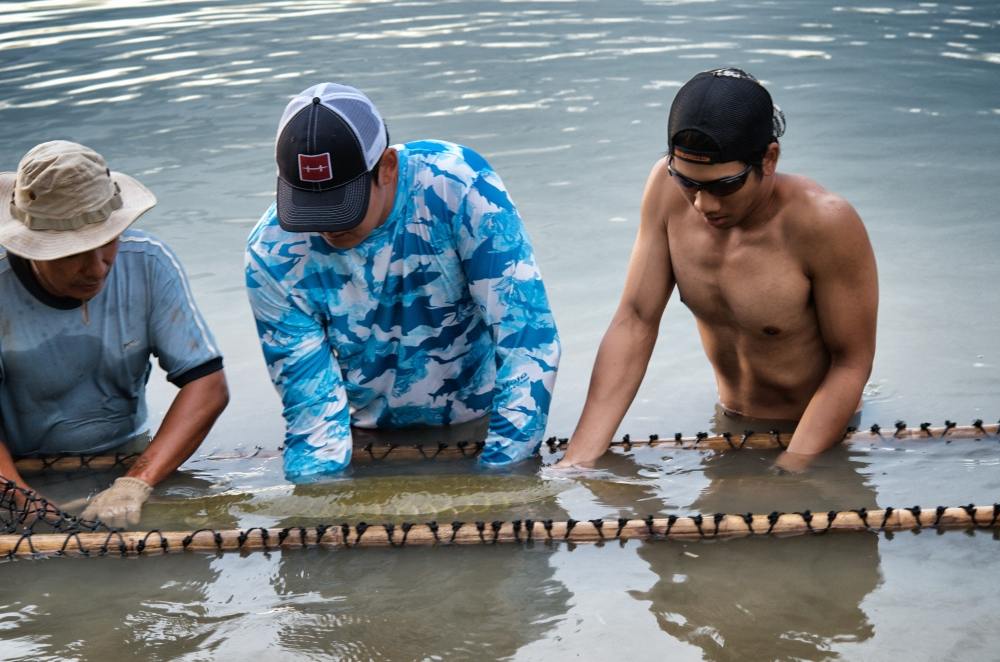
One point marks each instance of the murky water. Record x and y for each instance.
(893, 105)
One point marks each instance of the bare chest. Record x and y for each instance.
(756, 287)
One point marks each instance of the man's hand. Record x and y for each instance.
(121, 504)
(792, 462)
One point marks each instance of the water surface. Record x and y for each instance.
(894, 106)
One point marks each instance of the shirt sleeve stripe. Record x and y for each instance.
(206, 338)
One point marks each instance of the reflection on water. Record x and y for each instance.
(893, 106)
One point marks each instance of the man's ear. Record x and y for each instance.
(388, 166)
(770, 162)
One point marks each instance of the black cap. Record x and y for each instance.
(324, 182)
(732, 109)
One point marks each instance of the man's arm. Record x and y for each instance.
(306, 375)
(845, 290)
(188, 421)
(628, 343)
(505, 282)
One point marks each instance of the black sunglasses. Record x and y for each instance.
(717, 188)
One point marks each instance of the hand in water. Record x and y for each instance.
(118, 506)
(792, 462)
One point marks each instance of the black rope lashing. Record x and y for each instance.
(876, 429)
(863, 514)
(700, 437)
(552, 444)
(678, 437)
(495, 525)
(697, 519)
(122, 547)
(717, 519)
(671, 520)
(548, 528)
(345, 534)
(516, 526)
(729, 440)
(390, 531)
(807, 517)
(886, 514)
(830, 516)
(79, 545)
(321, 530)
(996, 513)
(748, 520)
(622, 521)
(433, 526)
(481, 528)
(948, 427)
(746, 437)
(926, 429)
(938, 513)
(772, 519)
(971, 512)
(649, 525)
(570, 524)
(627, 443)
(776, 435)
(978, 424)
(31, 546)
(529, 527)
(140, 546)
(598, 524)
(455, 526)
(190, 537)
(243, 535)
(900, 429)
(915, 511)
(359, 530)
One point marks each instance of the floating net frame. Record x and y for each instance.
(370, 453)
(522, 532)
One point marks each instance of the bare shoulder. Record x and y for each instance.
(661, 199)
(820, 219)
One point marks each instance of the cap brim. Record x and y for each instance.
(18, 239)
(335, 210)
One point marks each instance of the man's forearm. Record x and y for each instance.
(8, 469)
(186, 424)
(825, 420)
(618, 371)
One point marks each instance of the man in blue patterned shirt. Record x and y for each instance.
(394, 287)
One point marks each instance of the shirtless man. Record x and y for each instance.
(778, 272)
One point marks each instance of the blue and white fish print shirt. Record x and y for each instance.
(439, 316)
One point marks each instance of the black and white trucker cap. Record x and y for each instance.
(329, 139)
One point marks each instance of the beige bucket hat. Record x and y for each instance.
(64, 200)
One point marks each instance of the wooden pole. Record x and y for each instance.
(701, 441)
(697, 527)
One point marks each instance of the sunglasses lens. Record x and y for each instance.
(722, 189)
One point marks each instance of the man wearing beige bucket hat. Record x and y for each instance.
(84, 303)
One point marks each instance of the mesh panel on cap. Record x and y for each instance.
(367, 124)
(729, 106)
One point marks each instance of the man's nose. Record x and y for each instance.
(95, 266)
(705, 203)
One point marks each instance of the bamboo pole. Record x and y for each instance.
(696, 527)
(701, 441)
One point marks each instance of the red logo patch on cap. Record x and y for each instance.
(315, 167)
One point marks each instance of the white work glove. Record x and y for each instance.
(121, 504)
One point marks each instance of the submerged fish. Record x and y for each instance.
(377, 498)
